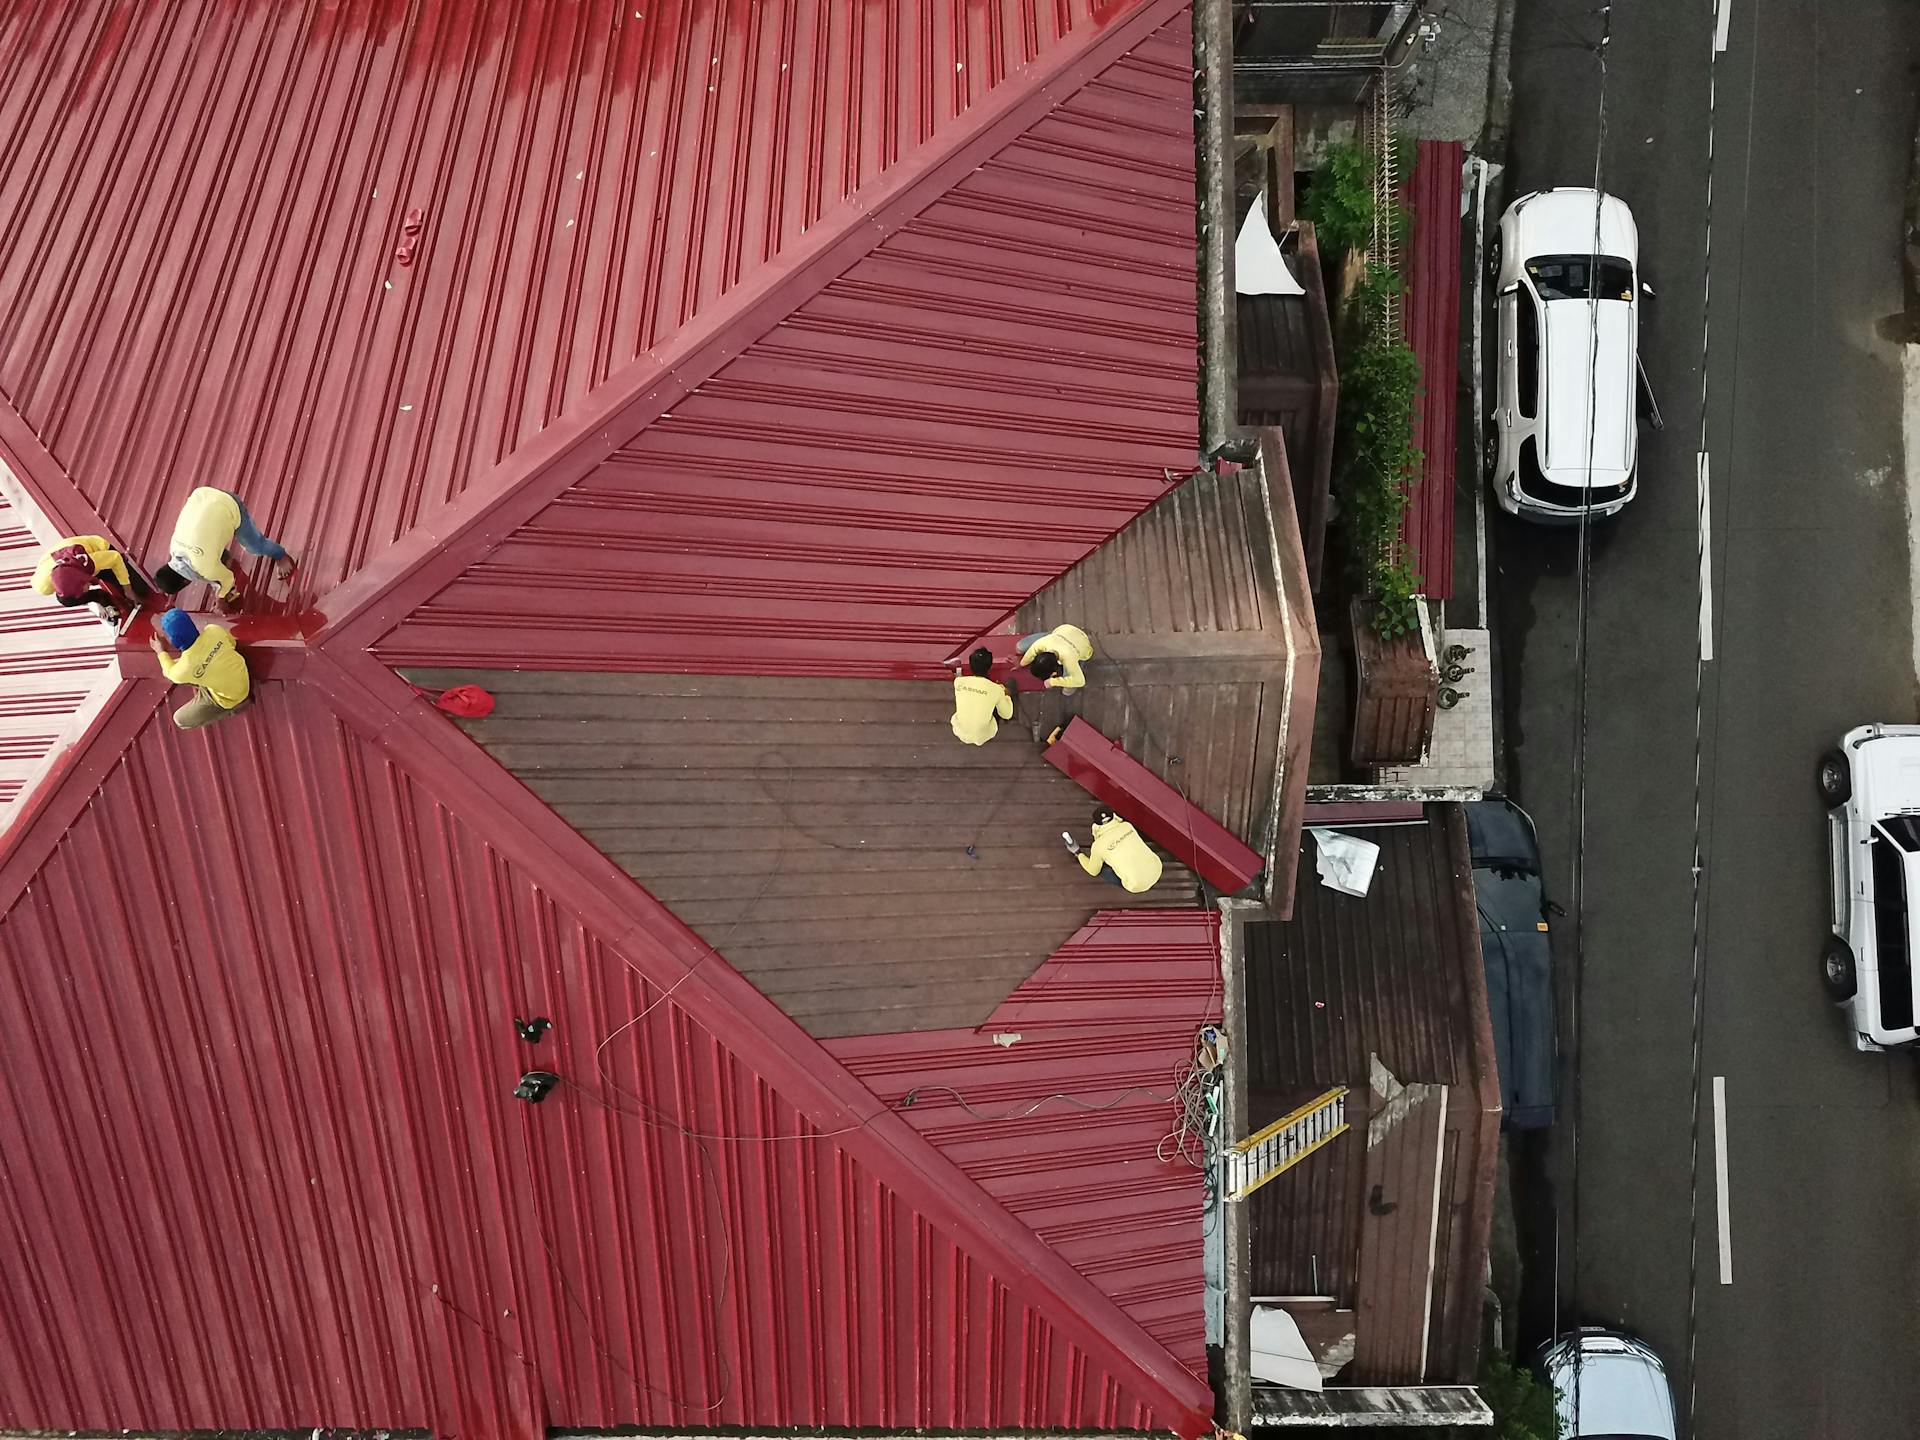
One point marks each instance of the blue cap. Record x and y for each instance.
(179, 628)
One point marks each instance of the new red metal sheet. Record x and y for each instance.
(1431, 311)
(912, 451)
(202, 280)
(264, 1171)
(1160, 812)
(1071, 1090)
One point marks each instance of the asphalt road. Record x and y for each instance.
(1818, 1335)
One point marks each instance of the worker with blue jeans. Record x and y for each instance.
(1118, 856)
(209, 522)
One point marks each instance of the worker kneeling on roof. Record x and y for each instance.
(1118, 855)
(209, 660)
(1054, 656)
(980, 703)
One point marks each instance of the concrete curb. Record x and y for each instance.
(1493, 139)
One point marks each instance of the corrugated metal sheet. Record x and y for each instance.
(1191, 635)
(53, 662)
(816, 831)
(1396, 974)
(1109, 1021)
(1431, 314)
(262, 1171)
(911, 452)
(207, 202)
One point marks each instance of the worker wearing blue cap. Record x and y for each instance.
(207, 659)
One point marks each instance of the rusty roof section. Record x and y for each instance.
(831, 838)
(1204, 641)
(1395, 976)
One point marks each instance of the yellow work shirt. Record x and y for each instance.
(976, 701)
(1118, 844)
(1071, 645)
(213, 663)
(106, 561)
(202, 533)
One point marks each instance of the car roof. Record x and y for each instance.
(1582, 339)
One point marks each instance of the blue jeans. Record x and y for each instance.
(251, 538)
(1108, 876)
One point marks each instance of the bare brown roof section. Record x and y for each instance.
(816, 832)
(1204, 639)
(1396, 975)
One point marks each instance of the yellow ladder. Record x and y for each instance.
(1284, 1144)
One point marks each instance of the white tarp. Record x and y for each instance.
(1280, 1354)
(1258, 266)
(1345, 862)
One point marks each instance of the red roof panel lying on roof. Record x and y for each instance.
(907, 456)
(1159, 811)
(1084, 1172)
(278, 1179)
(1431, 311)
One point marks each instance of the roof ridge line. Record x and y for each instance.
(43, 478)
(376, 701)
(374, 600)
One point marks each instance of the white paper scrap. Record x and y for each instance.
(1345, 862)
(1258, 266)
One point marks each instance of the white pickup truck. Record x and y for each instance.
(1871, 787)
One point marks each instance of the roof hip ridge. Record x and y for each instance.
(377, 598)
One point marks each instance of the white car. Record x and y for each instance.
(1871, 786)
(1564, 268)
(1608, 1386)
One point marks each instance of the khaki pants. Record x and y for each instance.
(203, 710)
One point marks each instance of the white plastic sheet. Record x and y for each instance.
(1258, 266)
(1345, 862)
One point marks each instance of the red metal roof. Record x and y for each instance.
(1111, 1021)
(984, 384)
(257, 1147)
(1431, 314)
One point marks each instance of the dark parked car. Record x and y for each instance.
(1513, 945)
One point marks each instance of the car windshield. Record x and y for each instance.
(1568, 277)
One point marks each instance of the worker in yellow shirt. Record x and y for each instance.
(1054, 656)
(209, 660)
(87, 570)
(1118, 855)
(209, 522)
(980, 702)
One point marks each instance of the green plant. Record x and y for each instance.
(1522, 1405)
(1339, 199)
(1376, 464)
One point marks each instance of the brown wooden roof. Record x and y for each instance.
(816, 832)
(1395, 975)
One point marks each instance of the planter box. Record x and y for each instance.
(1396, 693)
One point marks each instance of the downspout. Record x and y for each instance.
(1213, 99)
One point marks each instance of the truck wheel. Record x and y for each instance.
(1836, 779)
(1836, 971)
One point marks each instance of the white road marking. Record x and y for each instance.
(1706, 556)
(1910, 446)
(1720, 1173)
(1723, 16)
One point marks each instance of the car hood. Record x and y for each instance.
(1573, 351)
(1560, 222)
(1621, 1390)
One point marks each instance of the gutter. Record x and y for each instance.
(1213, 175)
